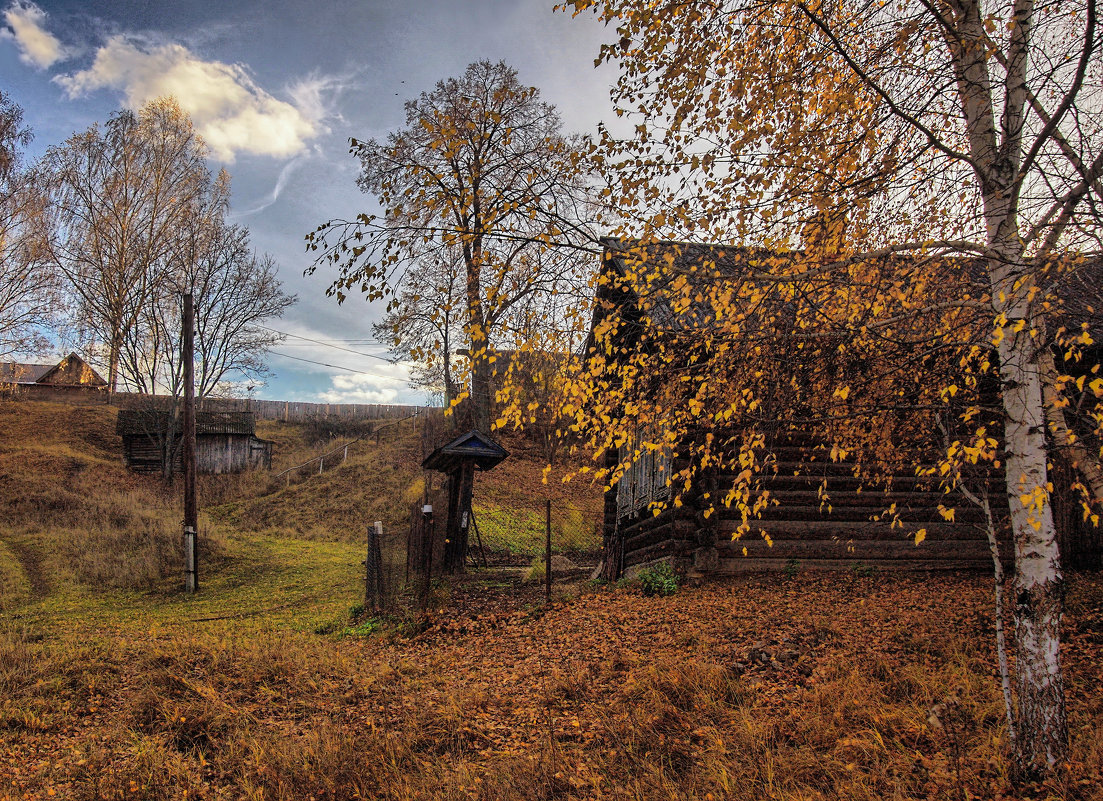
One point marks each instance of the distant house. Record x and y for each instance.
(72, 371)
(225, 442)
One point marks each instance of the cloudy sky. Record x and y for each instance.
(276, 87)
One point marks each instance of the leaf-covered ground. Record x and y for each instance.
(813, 686)
(267, 685)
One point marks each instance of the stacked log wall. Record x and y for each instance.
(846, 528)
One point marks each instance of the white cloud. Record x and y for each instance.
(37, 46)
(322, 378)
(360, 389)
(230, 111)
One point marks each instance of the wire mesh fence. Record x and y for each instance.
(504, 529)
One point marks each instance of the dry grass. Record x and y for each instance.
(70, 508)
(379, 481)
(811, 687)
(649, 711)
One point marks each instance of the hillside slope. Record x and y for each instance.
(71, 514)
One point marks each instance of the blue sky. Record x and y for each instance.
(277, 87)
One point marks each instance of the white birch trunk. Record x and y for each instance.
(1042, 732)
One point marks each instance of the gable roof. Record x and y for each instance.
(145, 422)
(70, 371)
(473, 446)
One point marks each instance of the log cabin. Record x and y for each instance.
(825, 510)
(72, 372)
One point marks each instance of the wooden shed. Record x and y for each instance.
(226, 442)
(801, 528)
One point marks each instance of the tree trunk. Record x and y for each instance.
(1042, 742)
(113, 355)
(481, 395)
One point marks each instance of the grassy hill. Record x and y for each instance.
(270, 683)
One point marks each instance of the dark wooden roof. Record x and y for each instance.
(140, 422)
(1076, 292)
(470, 447)
(16, 373)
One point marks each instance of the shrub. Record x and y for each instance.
(659, 580)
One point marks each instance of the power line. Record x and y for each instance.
(335, 366)
(328, 345)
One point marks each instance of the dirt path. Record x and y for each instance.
(31, 563)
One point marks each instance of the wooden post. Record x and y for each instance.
(321, 464)
(374, 596)
(346, 456)
(478, 536)
(191, 504)
(547, 553)
(427, 552)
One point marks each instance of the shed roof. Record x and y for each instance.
(473, 446)
(136, 422)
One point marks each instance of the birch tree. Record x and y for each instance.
(122, 193)
(951, 132)
(29, 298)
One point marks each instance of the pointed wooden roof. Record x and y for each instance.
(72, 371)
(474, 446)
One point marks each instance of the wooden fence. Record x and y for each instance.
(289, 411)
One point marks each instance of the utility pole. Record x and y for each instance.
(191, 507)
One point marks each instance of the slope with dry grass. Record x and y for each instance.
(264, 685)
(69, 511)
(811, 687)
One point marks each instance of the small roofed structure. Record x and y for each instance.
(483, 452)
(459, 459)
(225, 442)
(72, 371)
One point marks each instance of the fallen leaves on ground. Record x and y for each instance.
(815, 686)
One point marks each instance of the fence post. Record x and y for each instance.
(547, 552)
(346, 456)
(374, 594)
(321, 464)
(191, 560)
(426, 552)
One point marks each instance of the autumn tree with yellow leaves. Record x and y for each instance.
(913, 187)
(482, 169)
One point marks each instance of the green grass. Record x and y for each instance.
(518, 530)
(259, 580)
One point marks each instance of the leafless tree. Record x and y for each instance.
(29, 297)
(426, 322)
(122, 194)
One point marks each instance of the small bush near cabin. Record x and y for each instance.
(659, 580)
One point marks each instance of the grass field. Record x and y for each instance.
(113, 685)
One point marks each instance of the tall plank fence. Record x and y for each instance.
(288, 411)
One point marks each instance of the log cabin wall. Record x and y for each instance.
(846, 530)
